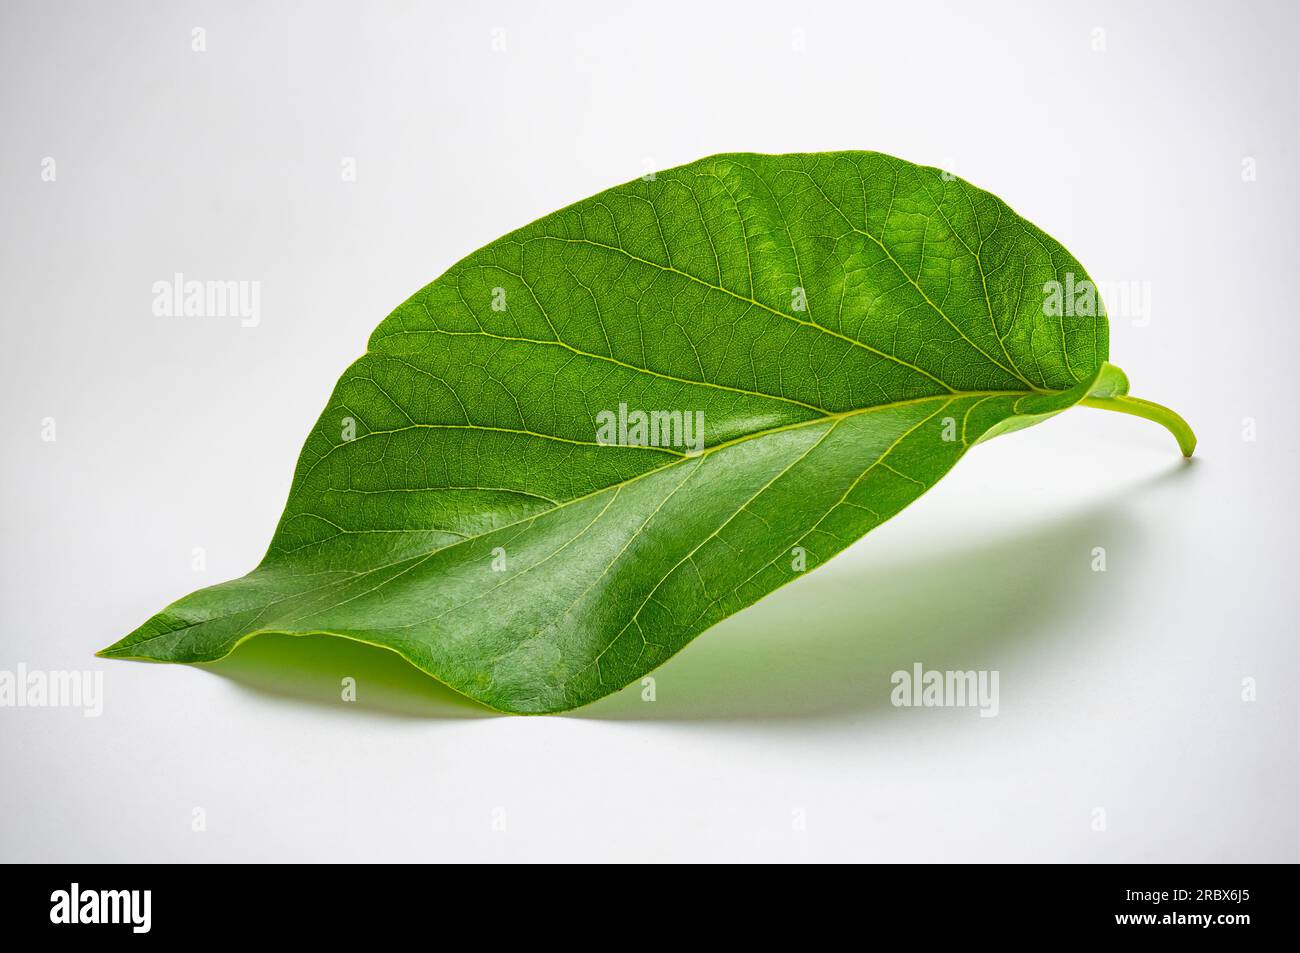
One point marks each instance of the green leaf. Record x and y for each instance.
(848, 324)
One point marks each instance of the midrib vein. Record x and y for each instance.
(832, 419)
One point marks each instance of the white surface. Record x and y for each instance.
(1119, 690)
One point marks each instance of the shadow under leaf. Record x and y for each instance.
(313, 668)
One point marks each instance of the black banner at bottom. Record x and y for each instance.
(235, 902)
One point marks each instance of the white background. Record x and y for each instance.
(1120, 691)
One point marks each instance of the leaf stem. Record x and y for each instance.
(1151, 411)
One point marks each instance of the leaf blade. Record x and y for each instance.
(474, 425)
